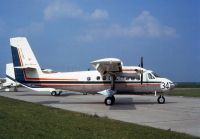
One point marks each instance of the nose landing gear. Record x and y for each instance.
(161, 99)
(109, 100)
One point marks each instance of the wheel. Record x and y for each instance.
(53, 93)
(59, 93)
(15, 89)
(161, 99)
(109, 100)
(113, 99)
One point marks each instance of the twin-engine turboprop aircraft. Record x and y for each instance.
(109, 78)
(9, 83)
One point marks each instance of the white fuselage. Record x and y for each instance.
(93, 81)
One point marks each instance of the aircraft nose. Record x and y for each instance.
(172, 86)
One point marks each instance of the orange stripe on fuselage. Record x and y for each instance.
(144, 84)
(101, 84)
(74, 84)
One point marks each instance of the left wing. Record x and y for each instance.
(107, 65)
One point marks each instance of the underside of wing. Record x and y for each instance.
(108, 65)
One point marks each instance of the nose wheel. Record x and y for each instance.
(161, 99)
(109, 100)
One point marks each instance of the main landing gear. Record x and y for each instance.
(109, 100)
(56, 93)
(161, 99)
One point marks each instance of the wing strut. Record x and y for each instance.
(113, 82)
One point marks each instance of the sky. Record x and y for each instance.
(66, 35)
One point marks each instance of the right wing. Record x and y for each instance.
(107, 65)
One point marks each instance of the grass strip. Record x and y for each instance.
(24, 120)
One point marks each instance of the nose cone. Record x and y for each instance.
(172, 85)
(166, 85)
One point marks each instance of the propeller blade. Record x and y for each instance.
(141, 77)
(141, 65)
(141, 62)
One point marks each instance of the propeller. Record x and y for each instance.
(141, 72)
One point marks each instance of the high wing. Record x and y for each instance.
(108, 65)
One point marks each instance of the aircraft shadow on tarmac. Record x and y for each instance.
(126, 103)
(36, 94)
(33, 95)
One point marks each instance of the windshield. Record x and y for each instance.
(155, 74)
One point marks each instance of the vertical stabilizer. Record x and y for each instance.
(22, 53)
(25, 63)
(10, 71)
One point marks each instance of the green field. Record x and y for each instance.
(186, 92)
(187, 85)
(20, 120)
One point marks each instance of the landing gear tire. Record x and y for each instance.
(15, 89)
(53, 93)
(109, 100)
(113, 99)
(59, 93)
(161, 99)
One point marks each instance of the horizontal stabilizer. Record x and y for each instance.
(26, 67)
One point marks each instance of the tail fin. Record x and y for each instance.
(10, 77)
(23, 58)
(10, 71)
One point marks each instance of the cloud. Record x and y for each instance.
(99, 14)
(62, 9)
(58, 9)
(144, 25)
(34, 27)
(147, 25)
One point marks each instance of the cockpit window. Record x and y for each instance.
(150, 76)
(155, 74)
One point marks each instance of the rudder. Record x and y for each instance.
(23, 59)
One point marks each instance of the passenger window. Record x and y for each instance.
(132, 78)
(88, 78)
(98, 78)
(137, 77)
(104, 78)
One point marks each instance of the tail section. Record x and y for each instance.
(10, 74)
(25, 63)
(25, 57)
(10, 77)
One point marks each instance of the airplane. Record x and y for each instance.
(9, 83)
(110, 77)
(2, 80)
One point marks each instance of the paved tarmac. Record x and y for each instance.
(178, 113)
